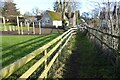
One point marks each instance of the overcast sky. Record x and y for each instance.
(28, 5)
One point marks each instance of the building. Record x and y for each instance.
(52, 19)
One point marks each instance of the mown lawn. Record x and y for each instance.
(7, 27)
(12, 40)
(15, 47)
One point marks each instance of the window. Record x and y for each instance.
(48, 21)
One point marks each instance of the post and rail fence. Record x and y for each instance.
(104, 39)
(61, 42)
(107, 42)
(107, 39)
(22, 27)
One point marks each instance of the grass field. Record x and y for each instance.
(7, 27)
(15, 47)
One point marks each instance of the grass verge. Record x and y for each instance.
(83, 59)
(87, 61)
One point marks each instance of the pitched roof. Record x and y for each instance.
(55, 15)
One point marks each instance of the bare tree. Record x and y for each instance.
(74, 5)
(70, 6)
(27, 13)
(58, 6)
(36, 11)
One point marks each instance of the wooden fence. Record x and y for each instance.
(108, 43)
(61, 42)
(21, 28)
(105, 39)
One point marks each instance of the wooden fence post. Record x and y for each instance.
(113, 46)
(101, 37)
(58, 58)
(21, 28)
(5, 29)
(88, 33)
(61, 47)
(13, 28)
(119, 45)
(95, 33)
(10, 28)
(28, 27)
(33, 28)
(16, 28)
(45, 52)
(39, 28)
(118, 34)
(18, 25)
(93, 37)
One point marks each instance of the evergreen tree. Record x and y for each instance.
(10, 9)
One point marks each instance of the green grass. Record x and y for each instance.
(2, 26)
(8, 41)
(21, 46)
(24, 68)
(7, 27)
(87, 61)
(26, 28)
(15, 47)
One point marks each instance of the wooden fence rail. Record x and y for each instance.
(104, 32)
(10, 69)
(109, 40)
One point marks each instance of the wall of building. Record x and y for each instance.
(57, 23)
(46, 21)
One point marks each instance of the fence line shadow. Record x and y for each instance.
(22, 43)
(20, 51)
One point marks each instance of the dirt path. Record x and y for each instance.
(86, 61)
(73, 66)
